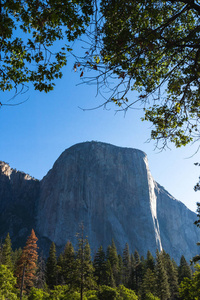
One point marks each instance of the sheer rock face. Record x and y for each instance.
(111, 190)
(179, 235)
(18, 192)
(108, 188)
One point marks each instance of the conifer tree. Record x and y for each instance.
(137, 271)
(150, 261)
(110, 281)
(27, 264)
(69, 264)
(126, 265)
(172, 274)
(173, 281)
(132, 274)
(148, 284)
(100, 266)
(112, 256)
(84, 267)
(7, 253)
(60, 277)
(51, 267)
(162, 285)
(175, 265)
(120, 272)
(184, 270)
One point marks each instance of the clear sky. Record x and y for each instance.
(34, 134)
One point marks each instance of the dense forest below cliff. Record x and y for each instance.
(73, 274)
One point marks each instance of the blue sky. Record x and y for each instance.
(35, 133)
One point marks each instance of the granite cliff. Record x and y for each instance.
(108, 188)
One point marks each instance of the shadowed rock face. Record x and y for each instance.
(176, 222)
(111, 190)
(18, 193)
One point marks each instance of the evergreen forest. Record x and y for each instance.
(74, 275)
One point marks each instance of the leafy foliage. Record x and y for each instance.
(7, 283)
(126, 294)
(190, 288)
(152, 48)
(107, 292)
(28, 31)
(37, 294)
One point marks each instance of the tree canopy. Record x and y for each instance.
(152, 48)
(28, 31)
(109, 276)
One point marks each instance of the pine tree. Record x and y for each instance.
(110, 281)
(175, 265)
(112, 256)
(150, 261)
(120, 270)
(132, 274)
(138, 272)
(27, 264)
(100, 266)
(7, 253)
(172, 274)
(69, 264)
(84, 267)
(148, 284)
(51, 267)
(162, 285)
(60, 277)
(88, 266)
(184, 270)
(126, 266)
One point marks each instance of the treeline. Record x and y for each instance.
(74, 275)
